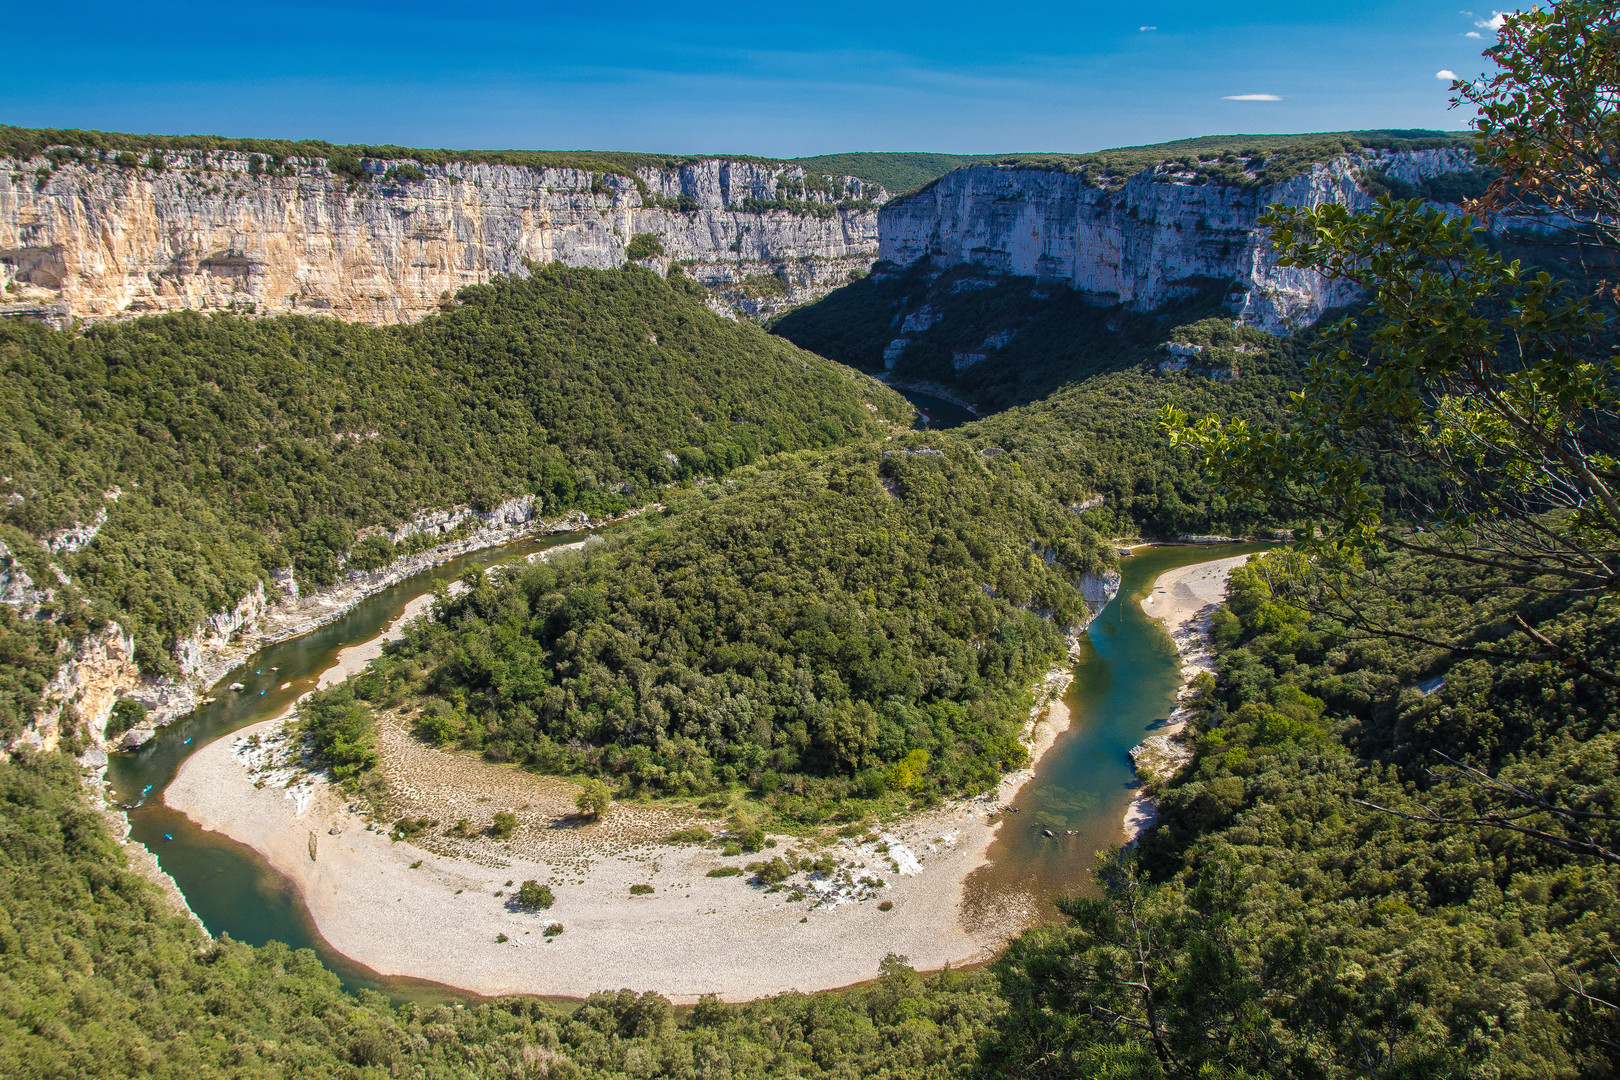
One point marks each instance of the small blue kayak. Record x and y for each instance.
(168, 836)
(187, 742)
(146, 790)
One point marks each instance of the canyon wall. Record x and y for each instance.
(91, 239)
(1152, 240)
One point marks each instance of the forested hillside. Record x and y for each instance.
(798, 628)
(224, 448)
(1286, 929)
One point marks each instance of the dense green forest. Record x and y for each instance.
(225, 448)
(798, 628)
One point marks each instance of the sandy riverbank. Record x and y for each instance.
(1183, 600)
(429, 908)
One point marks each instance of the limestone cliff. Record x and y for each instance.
(1146, 242)
(85, 238)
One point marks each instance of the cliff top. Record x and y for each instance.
(30, 142)
(1236, 160)
(1225, 159)
(894, 171)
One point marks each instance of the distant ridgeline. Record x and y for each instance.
(97, 225)
(157, 472)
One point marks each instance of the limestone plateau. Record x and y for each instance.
(95, 240)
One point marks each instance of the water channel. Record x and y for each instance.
(934, 413)
(1125, 684)
(1125, 687)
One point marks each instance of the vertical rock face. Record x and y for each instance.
(93, 240)
(1144, 244)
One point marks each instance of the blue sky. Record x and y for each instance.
(777, 79)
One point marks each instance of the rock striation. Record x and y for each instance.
(1159, 237)
(90, 239)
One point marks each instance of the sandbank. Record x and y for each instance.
(1184, 600)
(433, 907)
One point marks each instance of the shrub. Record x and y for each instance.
(643, 246)
(501, 939)
(340, 731)
(641, 890)
(870, 784)
(771, 872)
(749, 835)
(689, 836)
(725, 871)
(554, 929)
(371, 553)
(594, 799)
(346, 164)
(535, 896)
(887, 905)
(907, 773)
(125, 715)
(405, 827)
(504, 825)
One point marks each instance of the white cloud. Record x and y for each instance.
(1145, 29)
(1494, 22)
(1448, 76)
(1251, 97)
(1472, 34)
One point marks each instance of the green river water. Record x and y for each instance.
(1125, 684)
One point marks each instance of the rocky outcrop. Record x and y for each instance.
(86, 686)
(16, 587)
(1159, 237)
(1098, 590)
(222, 230)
